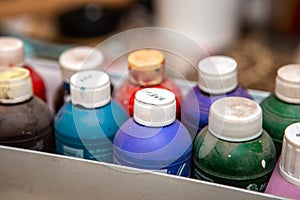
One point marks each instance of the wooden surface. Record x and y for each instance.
(260, 55)
(13, 7)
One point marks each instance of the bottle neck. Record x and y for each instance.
(67, 86)
(147, 77)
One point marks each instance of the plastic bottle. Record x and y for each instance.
(12, 54)
(217, 79)
(282, 108)
(85, 126)
(25, 120)
(71, 61)
(234, 149)
(285, 180)
(153, 139)
(146, 70)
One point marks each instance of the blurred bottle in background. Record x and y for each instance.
(213, 24)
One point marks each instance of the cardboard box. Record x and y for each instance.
(34, 175)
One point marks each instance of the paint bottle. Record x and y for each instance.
(85, 126)
(71, 61)
(153, 139)
(234, 149)
(282, 108)
(285, 180)
(146, 70)
(25, 120)
(12, 54)
(217, 78)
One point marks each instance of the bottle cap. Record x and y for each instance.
(154, 107)
(79, 59)
(217, 74)
(90, 89)
(11, 51)
(289, 166)
(235, 119)
(287, 86)
(146, 67)
(15, 85)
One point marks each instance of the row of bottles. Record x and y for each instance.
(139, 125)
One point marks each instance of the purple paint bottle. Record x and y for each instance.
(285, 180)
(217, 78)
(153, 139)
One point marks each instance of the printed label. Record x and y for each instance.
(68, 151)
(178, 170)
(163, 171)
(203, 177)
(38, 146)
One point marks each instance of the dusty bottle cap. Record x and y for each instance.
(11, 51)
(287, 86)
(217, 74)
(90, 89)
(146, 67)
(79, 59)
(235, 119)
(154, 107)
(15, 85)
(289, 166)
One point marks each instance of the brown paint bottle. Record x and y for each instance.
(25, 120)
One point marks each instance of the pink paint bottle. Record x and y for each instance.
(285, 180)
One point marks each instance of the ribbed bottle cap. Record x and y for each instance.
(289, 167)
(235, 119)
(288, 83)
(154, 107)
(80, 58)
(217, 74)
(15, 85)
(146, 67)
(90, 89)
(11, 51)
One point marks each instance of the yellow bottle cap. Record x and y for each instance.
(146, 67)
(15, 85)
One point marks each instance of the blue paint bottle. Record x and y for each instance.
(85, 126)
(153, 139)
(217, 79)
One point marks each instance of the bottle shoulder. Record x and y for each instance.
(274, 106)
(30, 117)
(256, 157)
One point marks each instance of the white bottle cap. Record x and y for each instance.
(90, 89)
(11, 51)
(154, 107)
(15, 85)
(235, 119)
(289, 166)
(287, 86)
(217, 74)
(79, 59)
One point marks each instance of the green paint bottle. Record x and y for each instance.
(234, 149)
(282, 108)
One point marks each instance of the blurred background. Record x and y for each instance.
(261, 35)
